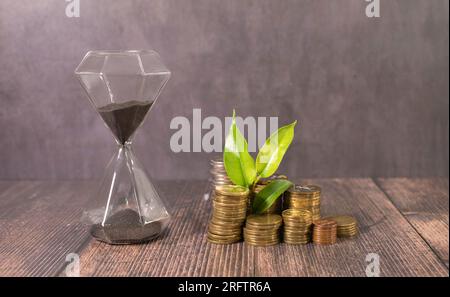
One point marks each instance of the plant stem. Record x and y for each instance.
(253, 186)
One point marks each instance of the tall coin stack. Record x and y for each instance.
(262, 230)
(324, 232)
(229, 213)
(304, 198)
(218, 173)
(297, 226)
(346, 226)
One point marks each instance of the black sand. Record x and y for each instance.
(124, 118)
(126, 227)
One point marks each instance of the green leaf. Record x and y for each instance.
(273, 150)
(269, 194)
(239, 164)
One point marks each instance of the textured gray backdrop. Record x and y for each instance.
(371, 95)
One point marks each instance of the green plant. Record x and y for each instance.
(242, 169)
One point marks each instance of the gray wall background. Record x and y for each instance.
(371, 95)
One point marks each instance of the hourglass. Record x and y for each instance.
(123, 86)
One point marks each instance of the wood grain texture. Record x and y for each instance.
(424, 203)
(184, 250)
(39, 225)
(384, 231)
(181, 251)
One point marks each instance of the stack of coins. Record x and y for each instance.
(346, 226)
(229, 212)
(297, 226)
(304, 198)
(324, 232)
(218, 173)
(262, 230)
(275, 208)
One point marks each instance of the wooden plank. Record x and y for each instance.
(182, 250)
(384, 231)
(424, 203)
(39, 225)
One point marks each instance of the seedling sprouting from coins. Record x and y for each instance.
(242, 169)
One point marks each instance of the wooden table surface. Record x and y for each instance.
(404, 221)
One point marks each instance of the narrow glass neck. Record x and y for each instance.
(126, 145)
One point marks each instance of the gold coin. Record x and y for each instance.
(224, 232)
(306, 204)
(296, 240)
(262, 243)
(302, 199)
(297, 234)
(226, 220)
(302, 232)
(260, 232)
(223, 237)
(293, 213)
(294, 223)
(230, 214)
(287, 233)
(230, 200)
(300, 196)
(306, 235)
(261, 240)
(224, 213)
(262, 228)
(220, 223)
(297, 226)
(264, 220)
(215, 241)
(224, 227)
(305, 189)
(234, 190)
(228, 211)
(229, 204)
(254, 234)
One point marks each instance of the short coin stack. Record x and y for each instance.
(218, 173)
(262, 230)
(305, 198)
(229, 213)
(324, 232)
(297, 226)
(346, 226)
